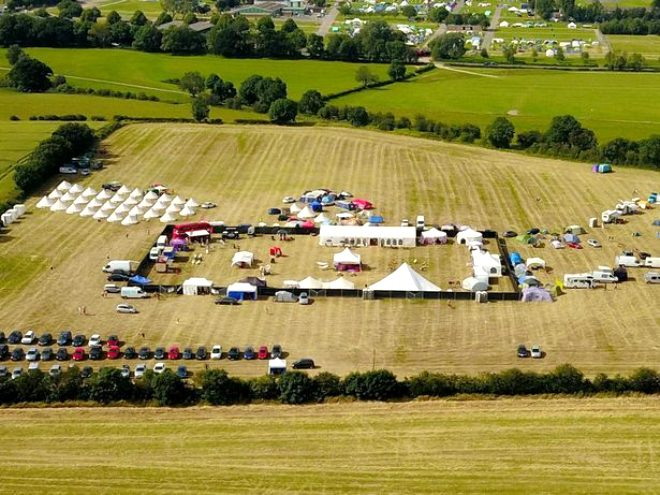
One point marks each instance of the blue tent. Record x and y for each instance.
(515, 258)
(317, 206)
(139, 280)
(376, 219)
(602, 168)
(571, 238)
(328, 199)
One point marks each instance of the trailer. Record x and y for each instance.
(580, 281)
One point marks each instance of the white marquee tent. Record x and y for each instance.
(64, 186)
(100, 215)
(339, 283)
(55, 194)
(469, 236)
(242, 259)
(404, 278)
(434, 236)
(196, 285)
(306, 213)
(74, 209)
(88, 193)
(310, 283)
(355, 235)
(58, 206)
(45, 202)
(168, 218)
(129, 220)
(76, 189)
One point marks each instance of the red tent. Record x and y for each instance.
(363, 204)
(275, 251)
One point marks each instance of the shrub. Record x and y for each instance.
(218, 388)
(372, 385)
(500, 133)
(296, 388)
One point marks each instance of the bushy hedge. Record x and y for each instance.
(127, 95)
(216, 387)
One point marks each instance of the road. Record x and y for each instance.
(494, 22)
(326, 22)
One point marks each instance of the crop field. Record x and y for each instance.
(249, 169)
(530, 98)
(126, 8)
(138, 71)
(647, 46)
(560, 446)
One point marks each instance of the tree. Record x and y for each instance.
(396, 70)
(80, 137)
(231, 37)
(107, 385)
(112, 18)
(649, 151)
(529, 138)
(438, 14)
(357, 116)
(409, 11)
(163, 18)
(248, 90)
(500, 133)
(311, 102)
(168, 389)
(372, 385)
(148, 38)
(326, 385)
(220, 89)
(315, 46)
(283, 111)
(178, 6)
(565, 379)
(139, 19)
(14, 52)
(450, 46)
(182, 40)
(509, 53)
(221, 390)
(296, 388)
(29, 75)
(90, 15)
(636, 62)
(365, 76)
(200, 109)
(585, 58)
(562, 127)
(484, 53)
(69, 9)
(193, 82)
(559, 54)
(535, 55)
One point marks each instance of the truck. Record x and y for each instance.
(626, 260)
(580, 281)
(124, 266)
(133, 293)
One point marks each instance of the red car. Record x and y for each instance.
(574, 245)
(113, 352)
(263, 352)
(113, 341)
(173, 353)
(78, 354)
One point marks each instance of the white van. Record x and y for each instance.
(419, 223)
(118, 266)
(154, 253)
(162, 241)
(652, 262)
(604, 277)
(626, 261)
(652, 277)
(579, 281)
(133, 293)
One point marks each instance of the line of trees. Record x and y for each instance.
(216, 387)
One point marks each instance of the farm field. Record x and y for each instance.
(515, 446)
(126, 8)
(530, 98)
(647, 46)
(147, 71)
(249, 169)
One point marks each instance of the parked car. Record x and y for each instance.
(188, 353)
(16, 373)
(536, 352)
(594, 243)
(45, 339)
(130, 353)
(78, 340)
(263, 352)
(159, 368)
(55, 370)
(33, 366)
(207, 205)
(276, 351)
(4, 351)
(227, 301)
(182, 371)
(3, 371)
(95, 340)
(201, 353)
(64, 338)
(216, 352)
(113, 340)
(28, 338)
(249, 353)
(234, 354)
(522, 351)
(118, 277)
(125, 371)
(32, 354)
(112, 288)
(47, 354)
(96, 353)
(62, 354)
(140, 369)
(14, 337)
(78, 354)
(303, 364)
(144, 353)
(574, 245)
(159, 353)
(509, 233)
(112, 186)
(173, 353)
(86, 372)
(113, 352)
(17, 354)
(126, 308)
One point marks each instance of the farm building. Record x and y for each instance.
(404, 278)
(352, 235)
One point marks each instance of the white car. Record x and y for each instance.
(95, 340)
(55, 370)
(159, 368)
(125, 371)
(33, 366)
(28, 338)
(594, 243)
(288, 200)
(32, 354)
(207, 205)
(536, 352)
(140, 370)
(16, 373)
(126, 308)
(216, 352)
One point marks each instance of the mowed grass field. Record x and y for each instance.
(147, 71)
(51, 262)
(612, 105)
(647, 46)
(554, 446)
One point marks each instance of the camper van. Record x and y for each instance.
(652, 262)
(610, 216)
(579, 281)
(604, 276)
(626, 260)
(118, 266)
(162, 241)
(133, 293)
(652, 277)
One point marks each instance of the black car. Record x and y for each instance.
(276, 352)
(201, 353)
(86, 372)
(62, 354)
(188, 353)
(522, 351)
(249, 353)
(15, 337)
(96, 353)
(234, 354)
(129, 353)
(118, 277)
(112, 186)
(231, 233)
(64, 338)
(4, 351)
(144, 353)
(509, 233)
(182, 371)
(46, 339)
(17, 354)
(78, 340)
(303, 364)
(47, 354)
(227, 301)
(160, 353)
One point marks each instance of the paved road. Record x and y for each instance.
(494, 22)
(326, 22)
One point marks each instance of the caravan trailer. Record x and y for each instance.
(652, 277)
(610, 216)
(579, 281)
(652, 262)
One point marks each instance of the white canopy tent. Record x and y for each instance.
(129, 220)
(474, 284)
(242, 259)
(168, 218)
(151, 214)
(173, 208)
(191, 203)
(87, 212)
(45, 202)
(469, 236)
(88, 193)
(306, 213)
(276, 366)
(151, 196)
(55, 194)
(322, 218)
(108, 207)
(117, 199)
(310, 283)
(95, 203)
(81, 200)
(76, 189)
(485, 264)
(136, 194)
(347, 260)
(64, 186)
(122, 208)
(104, 195)
(294, 209)
(115, 217)
(68, 197)
(187, 211)
(58, 206)
(131, 201)
(339, 283)
(136, 211)
(434, 236)
(179, 201)
(404, 278)
(74, 209)
(196, 286)
(124, 190)
(100, 215)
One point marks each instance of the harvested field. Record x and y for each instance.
(51, 261)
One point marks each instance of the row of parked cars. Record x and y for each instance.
(56, 370)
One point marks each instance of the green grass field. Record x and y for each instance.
(648, 46)
(551, 446)
(126, 8)
(610, 104)
(137, 71)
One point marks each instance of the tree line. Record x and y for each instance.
(216, 387)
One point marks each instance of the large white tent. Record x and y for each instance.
(81, 200)
(55, 194)
(187, 211)
(117, 199)
(533, 263)
(310, 283)
(45, 202)
(58, 206)
(122, 208)
(347, 260)
(108, 207)
(434, 236)
(129, 220)
(64, 186)
(68, 197)
(339, 283)
(179, 201)
(124, 190)
(191, 203)
(306, 213)
(115, 217)
(322, 218)
(474, 284)
(100, 215)
(104, 195)
(469, 236)
(173, 208)
(151, 196)
(355, 235)
(87, 212)
(131, 201)
(168, 218)
(136, 211)
(136, 194)
(95, 203)
(485, 264)
(294, 209)
(404, 278)
(242, 259)
(74, 209)
(196, 285)
(76, 189)
(151, 214)
(88, 193)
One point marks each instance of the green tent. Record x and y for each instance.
(526, 239)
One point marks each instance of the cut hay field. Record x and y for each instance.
(50, 263)
(647, 46)
(553, 446)
(530, 98)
